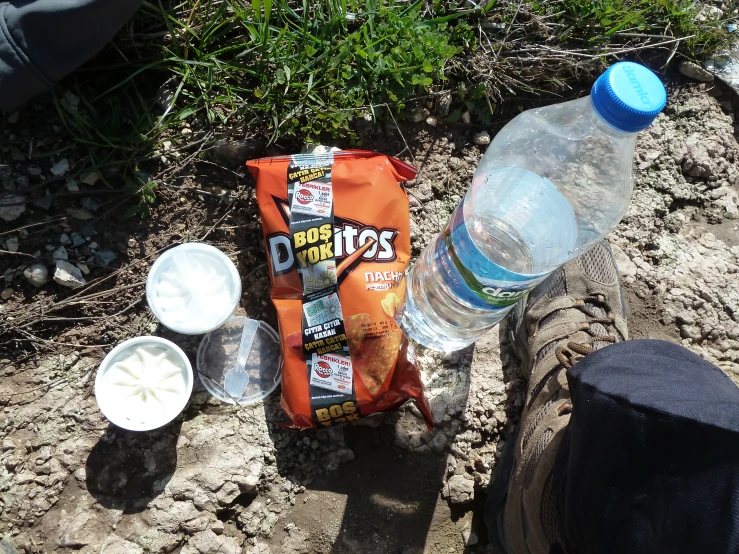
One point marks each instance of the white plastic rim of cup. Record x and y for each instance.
(193, 288)
(112, 403)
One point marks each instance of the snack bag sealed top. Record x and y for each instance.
(337, 233)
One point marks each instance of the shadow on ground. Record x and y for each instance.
(385, 498)
(120, 478)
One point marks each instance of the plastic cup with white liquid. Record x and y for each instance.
(143, 383)
(193, 288)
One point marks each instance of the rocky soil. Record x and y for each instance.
(226, 480)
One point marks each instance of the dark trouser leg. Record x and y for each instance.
(650, 461)
(41, 41)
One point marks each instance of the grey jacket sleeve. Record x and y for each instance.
(41, 41)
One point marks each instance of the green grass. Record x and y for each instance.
(265, 69)
(599, 22)
(303, 70)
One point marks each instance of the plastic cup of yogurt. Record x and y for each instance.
(193, 288)
(143, 383)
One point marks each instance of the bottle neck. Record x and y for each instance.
(606, 127)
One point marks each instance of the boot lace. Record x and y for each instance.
(570, 353)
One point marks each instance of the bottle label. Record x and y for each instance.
(460, 263)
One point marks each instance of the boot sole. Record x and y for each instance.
(498, 494)
(498, 488)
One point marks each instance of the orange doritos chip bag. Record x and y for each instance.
(337, 232)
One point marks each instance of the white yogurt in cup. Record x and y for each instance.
(193, 288)
(144, 383)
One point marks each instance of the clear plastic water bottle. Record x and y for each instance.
(554, 181)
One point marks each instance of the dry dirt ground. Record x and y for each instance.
(229, 480)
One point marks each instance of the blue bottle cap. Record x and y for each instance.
(628, 96)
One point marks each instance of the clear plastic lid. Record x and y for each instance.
(240, 363)
(193, 288)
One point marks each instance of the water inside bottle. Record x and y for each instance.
(518, 221)
(501, 244)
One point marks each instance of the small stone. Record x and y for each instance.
(433, 121)
(104, 257)
(89, 203)
(88, 232)
(77, 239)
(7, 293)
(60, 254)
(13, 118)
(35, 171)
(258, 548)
(12, 244)
(70, 102)
(37, 274)
(418, 116)
(469, 537)
(345, 455)
(73, 185)
(64, 239)
(12, 206)
(690, 332)
(68, 275)
(167, 145)
(481, 139)
(335, 434)
(626, 267)
(83, 268)
(44, 202)
(79, 213)
(443, 104)
(217, 527)
(232, 154)
(459, 490)
(60, 167)
(496, 25)
(16, 154)
(466, 118)
(91, 178)
(186, 131)
(694, 71)
(93, 245)
(23, 233)
(25, 477)
(685, 318)
(439, 442)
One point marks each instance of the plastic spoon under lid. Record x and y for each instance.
(237, 379)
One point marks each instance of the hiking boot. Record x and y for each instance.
(578, 309)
